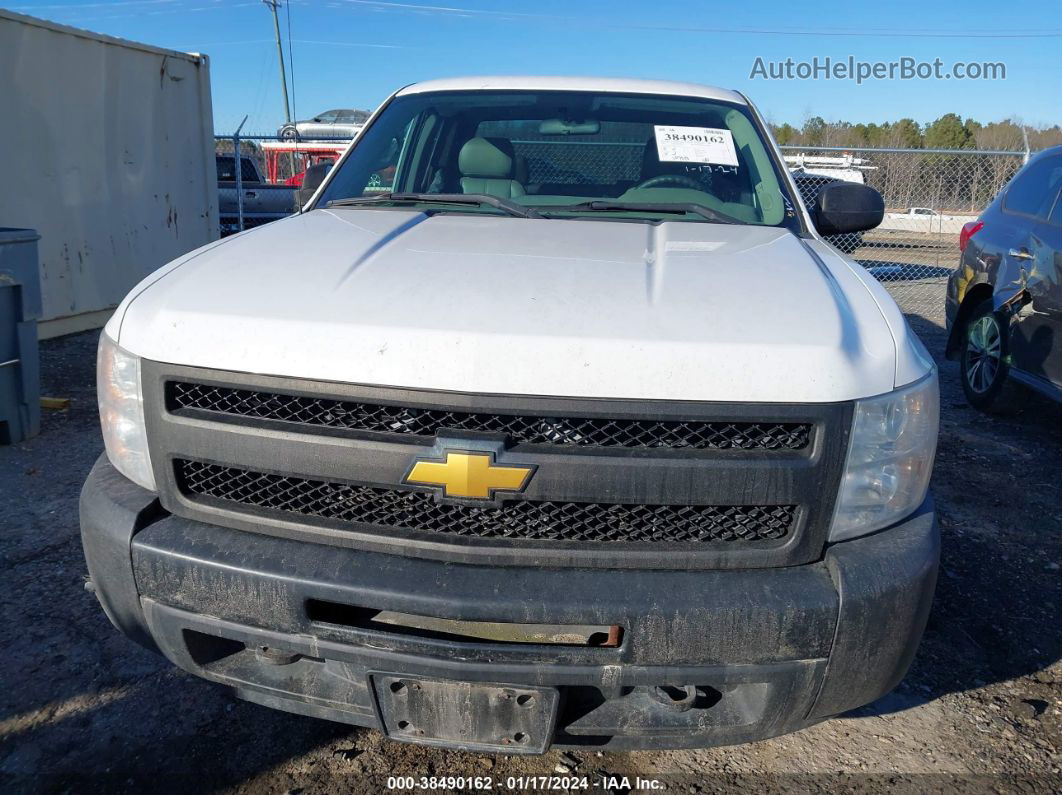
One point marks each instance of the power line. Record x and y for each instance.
(610, 22)
(260, 91)
(291, 65)
(291, 59)
(94, 5)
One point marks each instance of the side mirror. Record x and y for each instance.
(311, 181)
(847, 207)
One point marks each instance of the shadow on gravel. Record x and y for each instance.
(83, 708)
(916, 245)
(997, 483)
(887, 271)
(161, 734)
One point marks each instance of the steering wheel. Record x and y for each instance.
(670, 179)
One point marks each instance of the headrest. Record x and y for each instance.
(486, 157)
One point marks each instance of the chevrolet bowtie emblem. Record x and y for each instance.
(469, 475)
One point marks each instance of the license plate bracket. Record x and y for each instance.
(472, 716)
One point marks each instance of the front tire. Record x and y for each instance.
(289, 134)
(984, 363)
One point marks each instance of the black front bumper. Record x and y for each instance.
(779, 648)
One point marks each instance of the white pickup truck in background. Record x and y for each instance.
(926, 219)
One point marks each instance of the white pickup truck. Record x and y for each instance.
(577, 435)
(926, 220)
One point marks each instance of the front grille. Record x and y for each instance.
(523, 520)
(520, 428)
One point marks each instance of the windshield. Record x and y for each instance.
(568, 154)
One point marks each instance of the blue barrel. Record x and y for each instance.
(20, 307)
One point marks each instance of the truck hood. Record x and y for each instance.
(490, 304)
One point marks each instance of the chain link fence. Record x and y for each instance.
(929, 194)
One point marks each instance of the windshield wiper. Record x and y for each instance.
(512, 208)
(649, 207)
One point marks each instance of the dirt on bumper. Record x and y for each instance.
(762, 651)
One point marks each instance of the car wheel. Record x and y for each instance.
(289, 134)
(984, 365)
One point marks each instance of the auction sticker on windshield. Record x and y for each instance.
(695, 145)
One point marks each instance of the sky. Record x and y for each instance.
(354, 53)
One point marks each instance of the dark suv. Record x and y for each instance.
(1004, 304)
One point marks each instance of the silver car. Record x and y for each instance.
(343, 123)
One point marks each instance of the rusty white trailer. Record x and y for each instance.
(109, 155)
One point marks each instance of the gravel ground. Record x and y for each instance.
(82, 708)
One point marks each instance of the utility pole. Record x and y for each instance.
(273, 4)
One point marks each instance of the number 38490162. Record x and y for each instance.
(694, 138)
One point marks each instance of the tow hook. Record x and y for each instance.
(674, 698)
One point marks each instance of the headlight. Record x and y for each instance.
(890, 458)
(122, 412)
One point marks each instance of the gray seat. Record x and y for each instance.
(486, 166)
